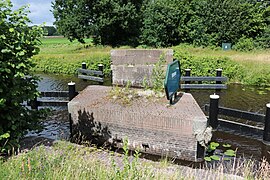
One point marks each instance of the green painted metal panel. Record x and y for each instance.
(172, 80)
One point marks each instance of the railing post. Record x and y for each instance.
(84, 67)
(187, 73)
(71, 90)
(219, 74)
(213, 111)
(266, 132)
(101, 68)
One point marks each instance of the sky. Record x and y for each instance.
(40, 10)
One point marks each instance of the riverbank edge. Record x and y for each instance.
(59, 156)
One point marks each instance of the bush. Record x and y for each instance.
(206, 66)
(64, 66)
(263, 41)
(18, 43)
(244, 44)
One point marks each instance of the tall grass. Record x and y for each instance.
(69, 161)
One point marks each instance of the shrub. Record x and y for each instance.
(206, 66)
(263, 40)
(244, 44)
(18, 43)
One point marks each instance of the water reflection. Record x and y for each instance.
(239, 97)
(58, 82)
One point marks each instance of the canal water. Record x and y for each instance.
(247, 98)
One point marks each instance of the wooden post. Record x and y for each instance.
(34, 104)
(101, 68)
(266, 133)
(213, 111)
(71, 90)
(84, 67)
(187, 73)
(219, 74)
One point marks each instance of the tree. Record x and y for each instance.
(217, 21)
(18, 43)
(164, 22)
(264, 39)
(110, 22)
(49, 30)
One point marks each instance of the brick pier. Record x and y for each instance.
(150, 125)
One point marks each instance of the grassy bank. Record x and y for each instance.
(65, 160)
(58, 55)
(250, 68)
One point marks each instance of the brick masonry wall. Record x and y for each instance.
(151, 126)
(135, 65)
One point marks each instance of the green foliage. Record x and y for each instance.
(158, 75)
(264, 39)
(206, 66)
(49, 31)
(226, 145)
(215, 158)
(214, 153)
(113, 22)
(69, 161)
(124, 95)
(213, 146)
(230, 152)
(18, 43)
(58, 55)
(244, 44)
(217, 21)
(53, 65)
(130, 170)
(256, 73)
(162, 22)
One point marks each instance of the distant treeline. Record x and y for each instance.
(163, 23)
(50, 31)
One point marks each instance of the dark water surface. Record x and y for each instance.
(247, 98)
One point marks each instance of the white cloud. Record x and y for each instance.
(40, 10)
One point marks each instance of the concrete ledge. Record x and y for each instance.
(153, 127)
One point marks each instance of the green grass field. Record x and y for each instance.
(58, 55)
